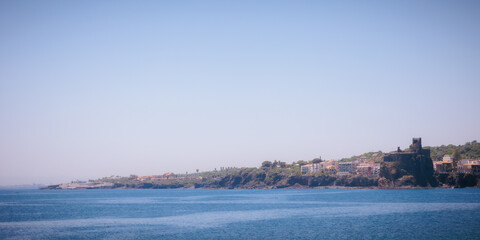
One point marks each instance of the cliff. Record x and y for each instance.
(413, 167)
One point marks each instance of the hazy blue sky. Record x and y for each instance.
(98, 88)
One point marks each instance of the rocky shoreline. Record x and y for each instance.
(285, 182)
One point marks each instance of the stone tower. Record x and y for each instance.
(416, 146)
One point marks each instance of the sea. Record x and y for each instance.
(240, 214)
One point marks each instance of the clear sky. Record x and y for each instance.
(97, 88)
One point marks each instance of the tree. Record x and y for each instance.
(456, 157)
(275, 163)
(132, 177)
(317, 160)
(266, 164)
(301, 162)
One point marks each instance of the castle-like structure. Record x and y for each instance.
(415, 162)
(415, 151)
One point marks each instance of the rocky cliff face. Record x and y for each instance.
(413, 167)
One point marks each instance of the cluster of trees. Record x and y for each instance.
(278, 174)
(267, 177)
(375, 156)
(270, 175)
(268, 164)
(258, 178)
(469, 150)
(280, 164)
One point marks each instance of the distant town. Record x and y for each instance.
(411, 167)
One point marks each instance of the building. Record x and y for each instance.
(415, 151)
(317, 167)
(330, 170)
(415, 161)
(447, 158)
(370, 168)
(327, 167)
(306, 168)
(346, 168)
(363, 159)
(469, 166)
(444, 166)
(320, 167)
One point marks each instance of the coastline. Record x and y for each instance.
(272, 188)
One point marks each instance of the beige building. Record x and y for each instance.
(469, 166)
(306, 168)
(370, 168)
(347, 168)
(327, 167)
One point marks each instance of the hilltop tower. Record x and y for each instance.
(414, 163)
(416, 146)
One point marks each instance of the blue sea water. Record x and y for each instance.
(240, 214)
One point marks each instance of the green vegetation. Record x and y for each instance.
(279, 174)
(375, 156)
(270, 175)
(470, 150)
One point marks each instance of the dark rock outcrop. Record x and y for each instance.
(411, 167)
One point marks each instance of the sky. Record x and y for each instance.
(98, 88)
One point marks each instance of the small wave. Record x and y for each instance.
(221, 218)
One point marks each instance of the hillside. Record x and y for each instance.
(469, 150)
(374, 156)
(408, 172)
